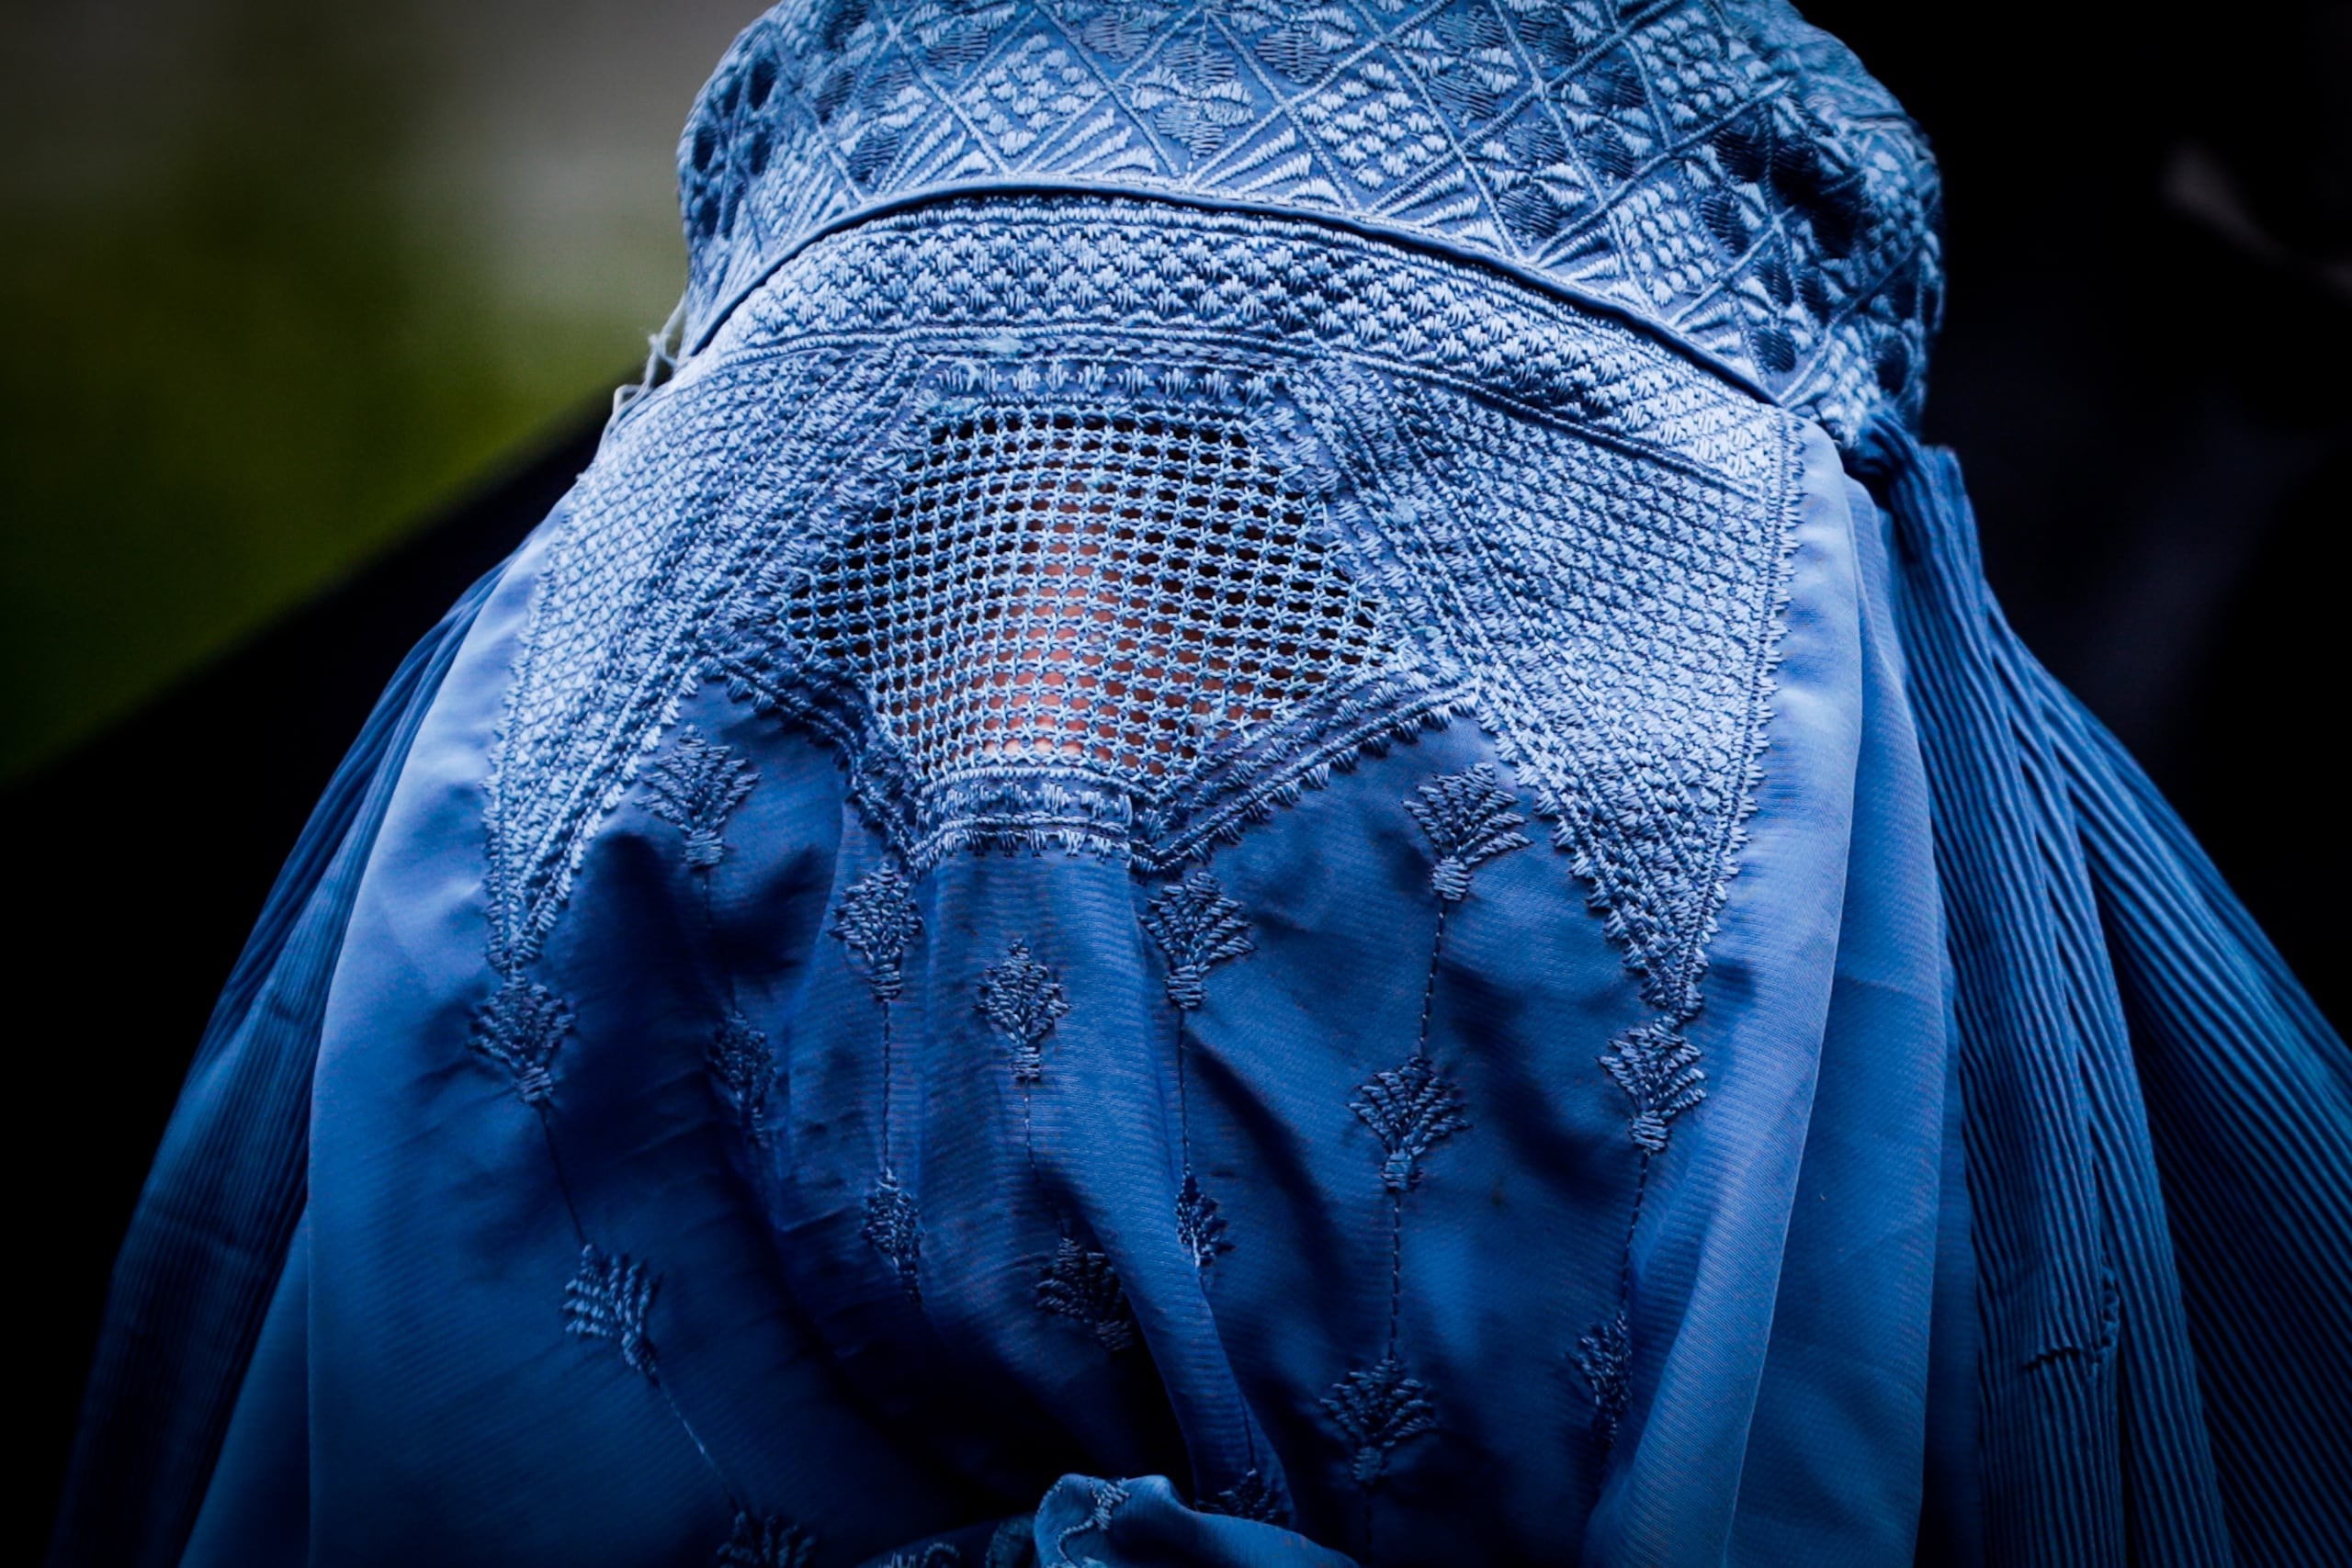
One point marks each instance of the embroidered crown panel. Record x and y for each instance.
(1715, 166)
(1090, 523)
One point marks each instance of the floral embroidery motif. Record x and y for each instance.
(765, 1541)
(1118, 29)
(1254, 1496)
(938, 1554)
(608, 1299)
(741, 1062)
(1194, 95)
(1411, 1110)
(695, 788)
(1198, 1225)
(1660, 1072)
(893, 1230)
(1197, 927)
(1467, 63)
(1104, 1501)
(1024, 1001)
(875, 922)
(1378, 1409)
(1080, 1284)
(520, 1028)
(1020, 997)
(1301, 46)
(876, 919)
(523, 1026)
(1605, 1357)
(955, 33)
(1469, 818)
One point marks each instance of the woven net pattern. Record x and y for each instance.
(1082, 587)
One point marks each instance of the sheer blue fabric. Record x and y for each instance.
(1272, 819)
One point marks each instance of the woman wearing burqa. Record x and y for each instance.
(1270, 818)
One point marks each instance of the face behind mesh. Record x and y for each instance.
(1113, 591)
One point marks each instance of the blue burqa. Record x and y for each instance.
(1270, 818)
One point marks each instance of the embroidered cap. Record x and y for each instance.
(1714, 168)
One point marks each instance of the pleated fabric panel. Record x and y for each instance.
(2156, 1118)
(209, 1241)
(2249, 1104)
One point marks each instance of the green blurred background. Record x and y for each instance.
(282, 276)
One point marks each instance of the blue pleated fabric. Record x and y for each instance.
(2171, 1280)
(1271, 818)
(209, 1248)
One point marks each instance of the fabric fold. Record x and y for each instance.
(208, 1243)
(2090, 1171)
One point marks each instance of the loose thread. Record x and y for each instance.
(653, 1373)
(562, 1181)
(1429, 986)
(1183, 1097)
(1396, 1269)
(710, 1461)
(889, 1169)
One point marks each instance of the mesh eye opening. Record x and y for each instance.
(1082, 587)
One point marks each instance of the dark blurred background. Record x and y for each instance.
(319, 307)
